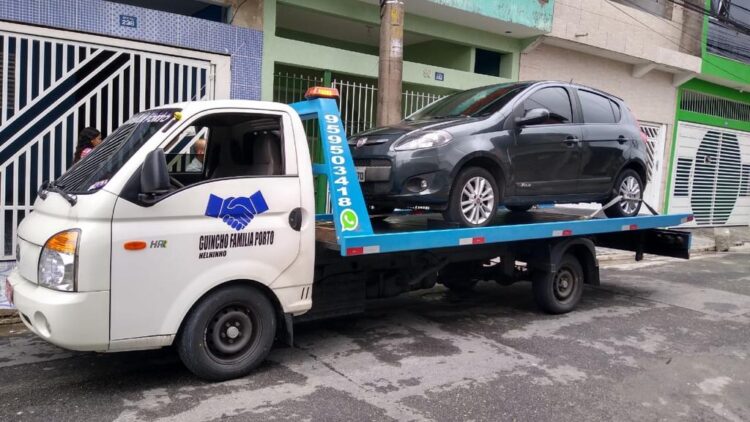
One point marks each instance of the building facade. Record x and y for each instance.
(683, 69)
(70, 64)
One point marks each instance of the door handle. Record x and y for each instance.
(622, 139)
(571, 141)
(295, 219)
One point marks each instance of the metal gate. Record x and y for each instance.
(51, 88)
(710, 175)
(656, 135)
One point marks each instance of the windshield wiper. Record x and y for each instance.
(52, 187)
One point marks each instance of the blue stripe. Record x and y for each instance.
(71, 96)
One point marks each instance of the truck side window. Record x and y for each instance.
(225, 145)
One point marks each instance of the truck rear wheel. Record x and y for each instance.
(559, 292)
(228, 333)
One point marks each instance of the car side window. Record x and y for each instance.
(554, 99)
(223, 145)
(597, 108)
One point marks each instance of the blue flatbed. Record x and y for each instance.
(427, 231)
(352, 231)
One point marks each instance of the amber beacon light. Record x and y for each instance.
(321, 92)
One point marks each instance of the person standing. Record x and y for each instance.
(88, 139)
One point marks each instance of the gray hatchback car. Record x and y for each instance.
(516, 145)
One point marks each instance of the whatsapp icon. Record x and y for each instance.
(349, 220)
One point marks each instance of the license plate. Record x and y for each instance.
(361, 174)
(8, 291)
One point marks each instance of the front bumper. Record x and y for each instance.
(75, 321)
(388, 180)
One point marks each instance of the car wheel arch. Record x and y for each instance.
(486, 161)
(636, 165)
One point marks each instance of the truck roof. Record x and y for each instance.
(192, 107)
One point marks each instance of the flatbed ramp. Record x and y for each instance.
(427, 231)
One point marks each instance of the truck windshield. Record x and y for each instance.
(94, 171)
(473, 102)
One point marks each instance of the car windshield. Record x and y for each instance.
(481, 101)
(92, 172)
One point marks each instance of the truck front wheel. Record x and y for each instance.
(559, 292)
(228, 333)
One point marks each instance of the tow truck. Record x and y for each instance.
(125, 251)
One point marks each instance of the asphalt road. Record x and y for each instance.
(665, 340)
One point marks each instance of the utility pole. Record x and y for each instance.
(391, 63)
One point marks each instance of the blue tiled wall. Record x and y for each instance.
(103, 18)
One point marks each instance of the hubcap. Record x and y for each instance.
(230, 333)
(630, 190)
(477, 200)
(564, 285)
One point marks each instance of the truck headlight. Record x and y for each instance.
(423, 140)
(57, 262)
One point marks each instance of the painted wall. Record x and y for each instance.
(441, 53)
(533, 13)
(245, 46)
(301, 53)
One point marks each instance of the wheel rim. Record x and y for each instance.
(477, 200)
(231, 333)
(564, 284)
(630, 190)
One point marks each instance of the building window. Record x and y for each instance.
(487, 62)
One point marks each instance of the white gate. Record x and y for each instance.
(710, 175)
(55, 83)
(656, 136)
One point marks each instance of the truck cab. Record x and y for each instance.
(120, 248)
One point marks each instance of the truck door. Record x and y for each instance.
(235, 183)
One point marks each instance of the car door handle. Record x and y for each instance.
(571, 141)
(622, 139)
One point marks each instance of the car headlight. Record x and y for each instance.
(423, 140)
(57, 262)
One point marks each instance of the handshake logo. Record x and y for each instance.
(236, 212)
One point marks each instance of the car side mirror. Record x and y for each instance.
(533, 117)
(154, 175)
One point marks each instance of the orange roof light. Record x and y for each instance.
(321, 92)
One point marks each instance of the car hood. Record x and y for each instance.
(386, 135)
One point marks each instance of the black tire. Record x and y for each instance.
(518, 208)
(626, 208)
(454, 213)
(560, 292)
(218, 355)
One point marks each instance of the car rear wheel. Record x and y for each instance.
(630, 186)
(474, 198)
(228, 333)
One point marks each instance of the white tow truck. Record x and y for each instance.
(142, 244)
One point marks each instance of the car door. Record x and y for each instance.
(605, 142)
(544, 157)
(232, 225)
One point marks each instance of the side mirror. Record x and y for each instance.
(154, 175)
(533, 117)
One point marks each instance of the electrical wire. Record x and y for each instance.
(236, 10)
(677, 44)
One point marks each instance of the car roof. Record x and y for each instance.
(576, 85)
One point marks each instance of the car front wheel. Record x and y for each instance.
(473, 199)
(630, 187)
